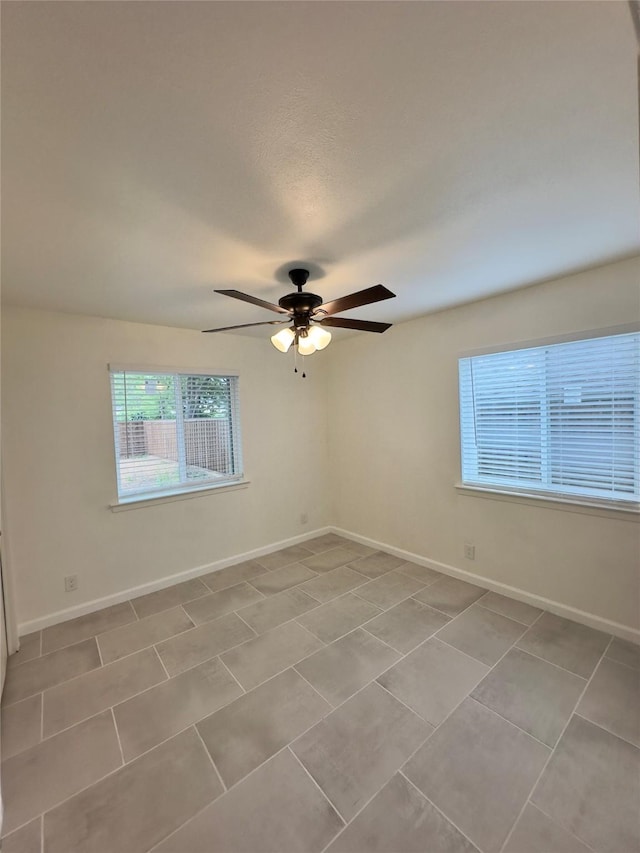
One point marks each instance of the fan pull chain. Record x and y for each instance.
(295, 363)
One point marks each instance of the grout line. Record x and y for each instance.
(620, 662)
(373, 796)
(560, 826)
(232, 676)
(510, 722)
(164, 669)
(324, 793)
(411, 710)
(604, 728)
(137, 619)
(115, 725)
(315, 690)
(448, 819)
(553, 751)
(550, 662)
(213, 764)
(237, 613)
(42, 833)
(513, 619)
(41, 720)
(438, 577)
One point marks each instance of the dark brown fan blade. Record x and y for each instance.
(246, 326)
(361, 325)
(237, 294)
(355, 300)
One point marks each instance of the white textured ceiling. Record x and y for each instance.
(152, 151)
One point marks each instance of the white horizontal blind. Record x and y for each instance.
(174, 431)
(563, 418)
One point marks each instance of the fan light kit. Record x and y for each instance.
(307, 315)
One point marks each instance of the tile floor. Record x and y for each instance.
(324, 697)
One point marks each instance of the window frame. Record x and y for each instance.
(555, 497)
(184, 489)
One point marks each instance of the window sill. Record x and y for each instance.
(177, 495)
(567, 504)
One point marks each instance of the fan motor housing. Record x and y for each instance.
(300, 303)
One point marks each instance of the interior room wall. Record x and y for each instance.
(59, 469)
(394, 438)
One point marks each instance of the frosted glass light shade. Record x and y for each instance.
(321, 337)
(306, 345)
(283, 339)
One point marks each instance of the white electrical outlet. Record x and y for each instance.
(70, 583)
(304, 518)
(469, 551)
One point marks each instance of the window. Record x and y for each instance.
(174, 431)
(562, 419)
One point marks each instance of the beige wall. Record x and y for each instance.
(394, 438)
(59, 467)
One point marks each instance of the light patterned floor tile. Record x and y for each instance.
(612, 700)
(250, 730)
(232, 575)
(82, 697)
(406, 625)
(400, 819)
(327, 561)
(27, 839)
(450, 595)
(142, 634)
(41, 673)
(567, 644)
(624, 652)
(139, 805)
(591, 787)
(325, 542)
(273, 611)
(338, 617)
(333, 584)
(259, 659)
(203, 643)
(164, 599)
(164, 710)
(339, 751)
(433, 679)
(478, 769)
(30, 647)
(41, 777)
(345, 666)
(20, 725)
(278, 559)
(531, 693)
(277, 809)
(76, 630)
(482, 634)
(535, 833)
(377, 564)
(220, 603)
(390, 589)
(509, 607)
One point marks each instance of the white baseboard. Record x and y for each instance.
(153, 586)
(591, 619)
(626, 632)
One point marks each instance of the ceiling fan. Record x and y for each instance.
(307, 314)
